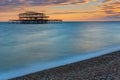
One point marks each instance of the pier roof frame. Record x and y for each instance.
(30, 14)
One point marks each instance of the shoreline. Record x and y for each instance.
(41, 67)
(98, 68)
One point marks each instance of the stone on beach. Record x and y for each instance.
(104, 67)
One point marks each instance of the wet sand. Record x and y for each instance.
(106, 67)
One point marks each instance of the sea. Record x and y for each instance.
(28, 48)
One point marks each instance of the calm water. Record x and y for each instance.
(29, 48)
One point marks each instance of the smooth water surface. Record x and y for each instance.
(31, 47)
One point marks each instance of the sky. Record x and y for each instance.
(68, 10)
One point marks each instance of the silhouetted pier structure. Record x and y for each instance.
(31, 17)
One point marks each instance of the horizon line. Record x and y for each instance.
(86, 21)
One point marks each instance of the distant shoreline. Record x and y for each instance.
(102, 67)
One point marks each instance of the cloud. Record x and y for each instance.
(112, 17)
(112, 10)
(113, 7)
(16, 4)
(40, 2)
(75, 12)
(106, 1)
(80, 2)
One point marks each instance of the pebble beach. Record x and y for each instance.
(105, 67)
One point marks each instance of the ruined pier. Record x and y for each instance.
(31, 17)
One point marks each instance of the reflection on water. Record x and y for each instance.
(23, 45)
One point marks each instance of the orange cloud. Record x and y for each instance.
(112, 11)
(106, 1)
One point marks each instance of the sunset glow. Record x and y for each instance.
(68, 10)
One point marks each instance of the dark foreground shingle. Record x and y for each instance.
(106, 67)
